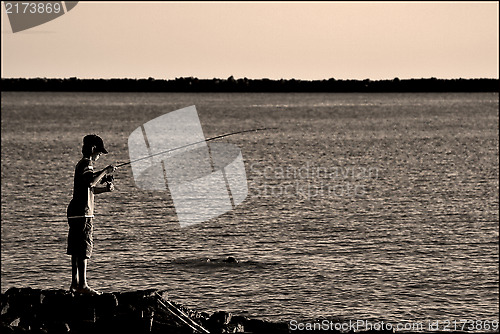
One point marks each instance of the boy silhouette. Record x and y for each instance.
(81, 211)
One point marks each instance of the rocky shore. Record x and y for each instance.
(29, 310)
(26, 310)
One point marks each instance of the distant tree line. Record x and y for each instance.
(190, 84)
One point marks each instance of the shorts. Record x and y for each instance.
(80, 237)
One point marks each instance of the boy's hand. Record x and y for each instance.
(110, 186)
(110, 169)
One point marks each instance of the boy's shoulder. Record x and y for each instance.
(85, 164)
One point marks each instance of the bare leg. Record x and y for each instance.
(82, 273)
(82, 278)
(74, 273)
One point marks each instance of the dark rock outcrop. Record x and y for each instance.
(29, 310)
(38, 311)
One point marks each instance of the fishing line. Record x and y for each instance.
(191, 144)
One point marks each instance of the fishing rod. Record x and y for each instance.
(191, 144)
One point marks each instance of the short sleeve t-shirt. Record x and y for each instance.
(82, 204)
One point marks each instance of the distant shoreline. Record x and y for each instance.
(192, 85)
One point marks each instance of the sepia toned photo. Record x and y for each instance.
(249, 167)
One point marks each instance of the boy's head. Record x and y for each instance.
(93, 144)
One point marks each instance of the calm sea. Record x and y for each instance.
(364, 206)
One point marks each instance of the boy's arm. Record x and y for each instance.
(99, 175)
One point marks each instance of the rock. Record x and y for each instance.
(234, 328)
(56, 305)
(230, 259)
(5, 308)
(127, 323)
(56, 327)
(5, 329)
(13, 291)
(42, 297)
(148, 320)
(221, 318)
(85, 326)
(22, 301)
(204, 315)
(260, 326)
(219, 321)
(136, 298)
(105, 305)
(15, 323)
(59, 311)
(238, 319)
(3, 300)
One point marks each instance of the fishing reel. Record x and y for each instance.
(108, 181)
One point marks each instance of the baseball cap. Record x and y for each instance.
(95, 140)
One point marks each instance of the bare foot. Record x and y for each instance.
(86, 290)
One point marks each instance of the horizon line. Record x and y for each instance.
(246, 78)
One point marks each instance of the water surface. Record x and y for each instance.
(366, 206)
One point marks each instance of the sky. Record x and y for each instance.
(302, 40)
